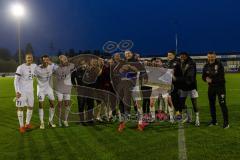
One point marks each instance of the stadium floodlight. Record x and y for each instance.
(18, 11)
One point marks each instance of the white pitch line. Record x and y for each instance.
(182, 150)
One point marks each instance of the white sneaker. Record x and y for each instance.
(226, 126)
(184, 120)
(42, 126)
(99, 119)
(172, 120)
(51, 124)
(152, 120)
(197, 122)
(65, 123)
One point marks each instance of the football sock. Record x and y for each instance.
(29, 116)
(67, 110)
(41, 114)
(51, 114)
(20, 118)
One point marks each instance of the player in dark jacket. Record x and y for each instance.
(188, 85)
(85, 92)
(174, 63)
(213, 74)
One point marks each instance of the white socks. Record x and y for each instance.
(166, 105)
(28, 116)
(140, 114)
(171, 112)
(41, 115)
(51, 114)
(20, 118)
(67, 110)
(152, 110)
(197, 116)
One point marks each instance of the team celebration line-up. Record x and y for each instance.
(119, 87)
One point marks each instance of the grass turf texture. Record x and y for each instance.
(158, 141)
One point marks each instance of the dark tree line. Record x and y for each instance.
(9, 61)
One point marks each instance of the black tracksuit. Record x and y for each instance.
(187, 77)
(85, 94)
(215, 71)
(187, 81)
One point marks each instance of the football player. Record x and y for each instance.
(63, 87)
(43, 73)
(23, 84)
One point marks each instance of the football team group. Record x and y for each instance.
(106, 89)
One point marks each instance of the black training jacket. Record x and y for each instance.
(187, 76)
(214, 71)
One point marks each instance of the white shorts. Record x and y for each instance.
(165, 95)
(157, 91)
(136, 93)
(25, 100)
(41, 95)
(191, 94)
(62, 96)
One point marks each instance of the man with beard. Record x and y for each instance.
(85, 84)
(188, 85)
(62, 74)
(128, 71)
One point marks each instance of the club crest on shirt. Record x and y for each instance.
(222, 95)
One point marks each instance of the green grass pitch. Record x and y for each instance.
(100, 142)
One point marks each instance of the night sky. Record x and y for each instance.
(151, 24)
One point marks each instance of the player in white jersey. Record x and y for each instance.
(43, 73)
(160, 80)
(63, 86)
(23, 83)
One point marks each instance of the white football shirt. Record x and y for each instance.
(63, 78)
(44, 75)
(25, 74)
